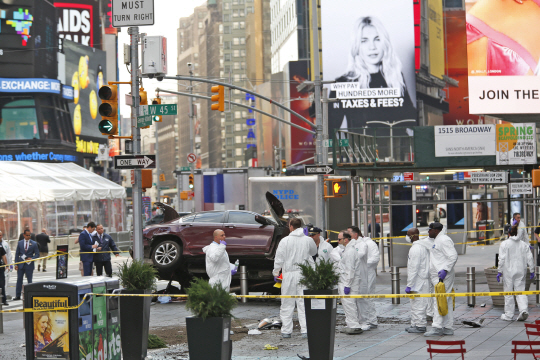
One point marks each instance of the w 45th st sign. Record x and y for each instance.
(147, 113)
(126, 162)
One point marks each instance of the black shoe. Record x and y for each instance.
(44, 270)
(17, 298)
(5, 304)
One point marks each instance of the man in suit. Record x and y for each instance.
(43, 241)
(87, 246)
(103, 259)
(27, 249)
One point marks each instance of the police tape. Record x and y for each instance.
(59, 253)
(65, 308)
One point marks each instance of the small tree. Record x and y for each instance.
(321, 277)
(209, 301)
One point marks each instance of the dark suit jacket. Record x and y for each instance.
(106, 244)
(42, 240)
(32, 236)
(85, 242)
(31, 253)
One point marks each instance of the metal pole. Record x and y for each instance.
(471, 285)
(535, 221)
(381, 222)
(394, 272)
(158, 170)
(243, 282)
(1, 319)
(325, 124)
(537, 284)
(138, 254)
(391, 142)
(191, 141)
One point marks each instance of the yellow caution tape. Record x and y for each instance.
(58, 254)
(29, 310)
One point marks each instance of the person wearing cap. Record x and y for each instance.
(323, 248)
(442, 258)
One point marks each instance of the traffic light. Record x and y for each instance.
(157, 118)
(108, 110)
(146, 177)
(536, 178)
(161, 177)
(143, 97)
(339, 188)
(191, 181)
(283, 166)
(220, 98)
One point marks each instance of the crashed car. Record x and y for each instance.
(175, 246)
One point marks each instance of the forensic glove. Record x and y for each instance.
(442, 274)
(499, 277)
(408, 289)
(222, 242)
(233, 271)
(347, 290)
(532, 276)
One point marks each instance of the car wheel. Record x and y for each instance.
(442, 213)
(166, 255)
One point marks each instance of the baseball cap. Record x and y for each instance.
(314, 230)
(436, 226)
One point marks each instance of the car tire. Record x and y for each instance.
(442, 213)
(166, 255)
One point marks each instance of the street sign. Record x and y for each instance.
(408, 176)
(132, 13)
(124, 162)
(521, 188)
(158, 109)
(103, 153)
(105, 126)
(191, 158)
(185, 168)
(494, 177)
(318, 170)
(145, 120)
(330, 142)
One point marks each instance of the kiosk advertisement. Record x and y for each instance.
(51, 328)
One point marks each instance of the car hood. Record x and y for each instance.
(276, 208)
(168, 212)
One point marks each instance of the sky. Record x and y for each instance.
(167, 14)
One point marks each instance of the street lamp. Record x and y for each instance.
(391, 125)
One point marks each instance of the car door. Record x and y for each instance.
(200, 231)
(245, 236)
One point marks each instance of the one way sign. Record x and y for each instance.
(125, 162)
(318, 170)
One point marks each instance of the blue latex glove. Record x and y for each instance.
(408, 289)
(222, 242)
(532, 276)
(233, 271)
(347, 290)
(499, 275)
(442, 274)
(531, 247)
(276, 279)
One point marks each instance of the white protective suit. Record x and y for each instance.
(348, 277)
(7, 271)
(418, 279)
(218, 267)
(514, 257)
(336, 254)
(522, 233)
(368, 313)
(443, 256)
(294, 249)
(323, 251)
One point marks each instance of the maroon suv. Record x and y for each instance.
(175, 246)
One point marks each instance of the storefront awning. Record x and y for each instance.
(31, 181)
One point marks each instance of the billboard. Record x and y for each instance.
(464, 140)
(369, 51)
(85, 71)
(503, 55)
(436, 38)
(78, 21)
(28, 40)
(516, 144)
(302, 143)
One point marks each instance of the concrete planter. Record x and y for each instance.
(494, 286)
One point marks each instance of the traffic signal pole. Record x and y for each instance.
(133, 32)
(191, 135)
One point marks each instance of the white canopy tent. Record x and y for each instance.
(36, 194)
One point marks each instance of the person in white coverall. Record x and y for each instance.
(368, 274)
(442, 258)
(522, 231)
(418, 280)
(514, 257)
(293, 249)
(323, 248)
(218, 267)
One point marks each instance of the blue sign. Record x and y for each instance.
(38, 156)
(30, 85)
(68, 92)
(285, 194)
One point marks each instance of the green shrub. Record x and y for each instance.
(137, 275)
(321, 277)
(209, 301)
(155, 342)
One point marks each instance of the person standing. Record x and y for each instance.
(323, 248)
(522, 230)
(43, 240)
(442, 258)
(418, 280)
(7, 249)
(3, 262)
(32, 235)
(102, 258)
(514, 257)
(337, 253)
(26, 250)
(218, 267)
(87, 246)
(292, 250)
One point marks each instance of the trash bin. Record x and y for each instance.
(56, 334)
(485, 230)
(99, 319)
(113, 320)
(86, 340)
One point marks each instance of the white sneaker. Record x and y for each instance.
(523, 316)
(506, 318)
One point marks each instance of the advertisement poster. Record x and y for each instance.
(436, 38)
(51, 328)
(516, 144)
(464, 140)
(503, 55)
(302, 143)
(78, 21)
(62, 262)
(85, 71)
(368, 49)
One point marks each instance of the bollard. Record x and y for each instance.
(537, 284)
(394, 271)
(1, 320)
(471, 285)
(243, 283)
